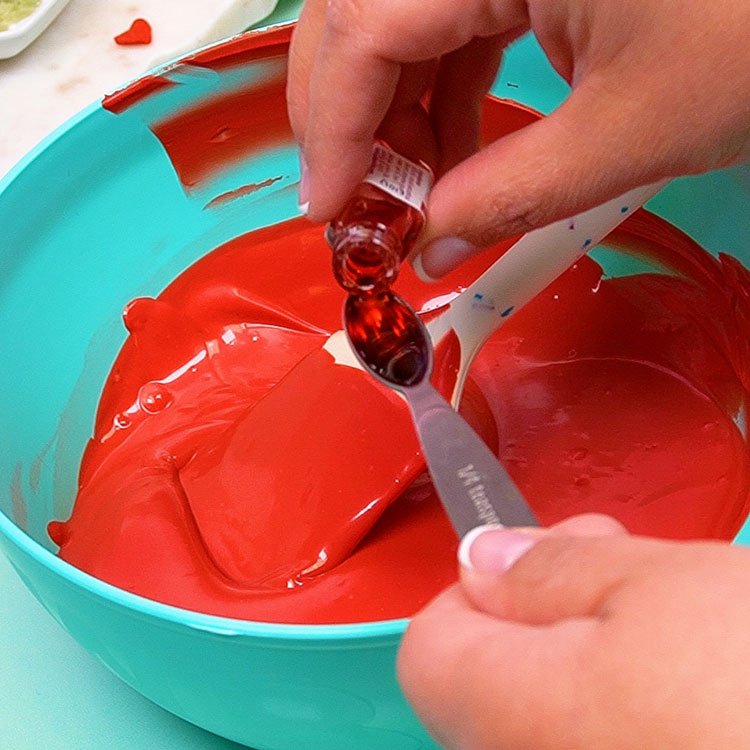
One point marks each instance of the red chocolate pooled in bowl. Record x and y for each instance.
(619, 395)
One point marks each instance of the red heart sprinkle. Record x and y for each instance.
(138, 33)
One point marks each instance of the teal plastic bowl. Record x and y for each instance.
(96, 216)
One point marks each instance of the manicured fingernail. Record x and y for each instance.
(444, 254)
(418, 267)
(493, 549)
(304, 185)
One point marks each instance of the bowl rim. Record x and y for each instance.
(216, 624)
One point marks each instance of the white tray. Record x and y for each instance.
(20, 35)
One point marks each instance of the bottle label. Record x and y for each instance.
(399, 177)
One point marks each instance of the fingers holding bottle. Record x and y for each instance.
(658, 90)
(353, 70)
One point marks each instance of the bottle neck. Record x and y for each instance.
(366, 258)
(378, 226)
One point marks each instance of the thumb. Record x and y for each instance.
(541, 577)
(594, 147)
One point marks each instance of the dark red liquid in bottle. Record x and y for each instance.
(375, 230)
(369, 238)
(389, 337)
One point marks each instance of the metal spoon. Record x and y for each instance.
(392, 343)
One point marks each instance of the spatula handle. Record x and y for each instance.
(530, 265)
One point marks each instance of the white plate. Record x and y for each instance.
(20, 35)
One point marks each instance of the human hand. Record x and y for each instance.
(590, 639)
(659, 89)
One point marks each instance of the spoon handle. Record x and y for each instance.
(463, 468)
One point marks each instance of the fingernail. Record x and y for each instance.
(418, 267)
(303, 202)
(493, 549)
(444, 254)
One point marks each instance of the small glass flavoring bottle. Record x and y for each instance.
(379, 224)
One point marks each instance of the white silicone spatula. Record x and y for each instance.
(333, 426)
(527, 268)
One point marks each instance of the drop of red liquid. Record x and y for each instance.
(154, 397)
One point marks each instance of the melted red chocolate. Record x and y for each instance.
(615, 395)
(237, 469)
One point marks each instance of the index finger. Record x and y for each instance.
(356, 71)
(302, 48)
(351, 88)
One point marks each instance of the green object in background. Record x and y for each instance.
(13, 11)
